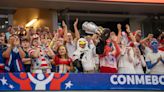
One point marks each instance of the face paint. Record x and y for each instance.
(154, 46)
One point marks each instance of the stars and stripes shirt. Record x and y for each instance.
(42, 61)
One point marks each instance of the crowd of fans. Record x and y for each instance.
(99, 50)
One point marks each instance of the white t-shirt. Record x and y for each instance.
(71, 47)
(126, 61)
(153, 57)
(139, 62)
(147, 50)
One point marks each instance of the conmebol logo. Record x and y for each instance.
(137, 79)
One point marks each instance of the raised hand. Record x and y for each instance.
(16, 41)
(119, 27)
(138, 32)
(76, 22)
(114, 38)
(150, 36)
(39, 41)
(63, 24)
(127, 28)
(11, 41)
(56, 36)
(54, 33)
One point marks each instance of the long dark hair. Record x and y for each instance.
(66, 55)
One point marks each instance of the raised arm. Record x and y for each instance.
(54, 40)
(119, 33)
(6, 53)
(34, 53)
(65, 30)
(129, 33)
(95, 38)
(17, 44)
(92, 47)
(116, 51)
(21, 52)
(147, 38)
(28, 34)
(77, 34)
(50, 52)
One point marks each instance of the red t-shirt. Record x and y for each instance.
(59, 61)
(161, 48)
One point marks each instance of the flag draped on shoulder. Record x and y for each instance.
(14, 63)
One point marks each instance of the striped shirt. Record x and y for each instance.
(42, 62)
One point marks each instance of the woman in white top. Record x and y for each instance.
(139, 61)
(126, 58)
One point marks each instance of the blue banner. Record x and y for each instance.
(68, 81)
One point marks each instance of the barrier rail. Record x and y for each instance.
(69, 81)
